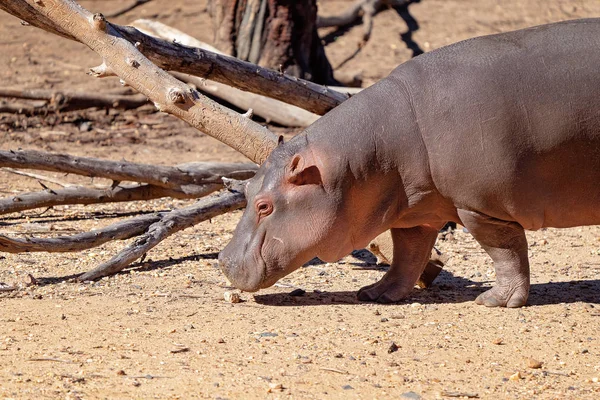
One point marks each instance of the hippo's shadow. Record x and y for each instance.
(447, 288)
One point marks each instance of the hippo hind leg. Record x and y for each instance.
(506, 244)
(412, 248)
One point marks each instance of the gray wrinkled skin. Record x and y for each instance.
(499, 133)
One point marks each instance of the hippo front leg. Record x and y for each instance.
(506, 244)
(412, 248)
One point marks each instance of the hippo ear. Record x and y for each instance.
(301, 174)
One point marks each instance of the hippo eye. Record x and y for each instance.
(263, 208)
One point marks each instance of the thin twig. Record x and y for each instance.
(337, 371)
(37, 176)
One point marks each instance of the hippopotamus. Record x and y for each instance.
(499, 133)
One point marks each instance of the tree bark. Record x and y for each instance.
(277, 34)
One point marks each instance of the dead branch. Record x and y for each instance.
(198, 62)
(177, 178)
(346, 17)
(85, 195)
(69, 100)
(27, 108)
(39, 177)
(168, 94)
(169, 224)
(119, 231)
(365, 9)
(127, 8)
(270, 109)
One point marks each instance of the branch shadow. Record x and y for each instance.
(412, 25)
(144, 266)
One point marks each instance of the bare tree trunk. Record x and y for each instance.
(277, 34)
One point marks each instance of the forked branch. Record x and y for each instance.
(168, 94)
(194, 61)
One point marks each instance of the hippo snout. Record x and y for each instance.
(243, 275)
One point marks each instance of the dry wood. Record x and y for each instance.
(270, 109)
(85, 195)
(119, 231)
(170, 223)
(178, 178)
(360, 8)
(202, 63)
(168, 94)
(27, 108)
(273, 111)
(69, 100)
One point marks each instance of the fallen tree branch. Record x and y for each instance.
(119, 231)
(365, 9)
(69, 100)
(273, 111)
(168, 94)
(177, 178)
(270, 109)
(27, 108)
(169, 224)
(39, 177)
(198, 62)
(85, 195)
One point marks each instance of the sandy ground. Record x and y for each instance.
(162, 329)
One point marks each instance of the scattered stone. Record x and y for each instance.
(393, 348)
(30, 281)
(231, 297)
(383, 320)
(410, 395)
(534, 364)
(268, 334)
(298, 292)
(221, 340)
(121, 372)
(347, 387)
(516, 376)
(136, 383)
(275, 387)
(498, 341)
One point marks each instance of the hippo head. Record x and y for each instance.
(292, 216)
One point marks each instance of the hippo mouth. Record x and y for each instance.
(249, 274)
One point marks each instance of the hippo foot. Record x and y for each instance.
(510, 296)
(384, 292)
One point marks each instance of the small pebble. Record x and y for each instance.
(516, 376)
(347, 387)
(298, 292)
(534, 364)
(410, 395)
(275, 387)
(231, 297)
(498, 341)
(393, 348)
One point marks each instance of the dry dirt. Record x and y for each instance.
(162, 329)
